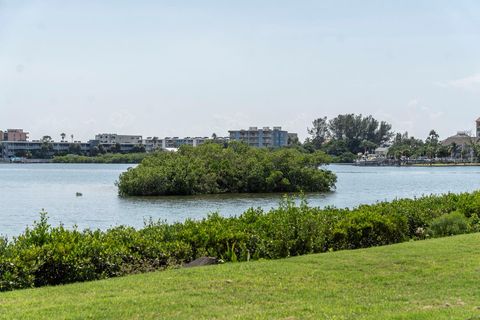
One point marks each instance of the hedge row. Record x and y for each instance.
(46, 255)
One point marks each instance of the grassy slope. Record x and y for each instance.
(433, 279)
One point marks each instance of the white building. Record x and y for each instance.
(152, 143)
(113, 138)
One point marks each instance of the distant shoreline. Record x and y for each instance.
(474, 164)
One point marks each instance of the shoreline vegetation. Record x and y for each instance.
(103, 158)
(47, 255)
(211, 168)
(435, 279)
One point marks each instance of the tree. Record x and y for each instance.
(293, 140)
(453, 149)
(405, 146)
(367, 146)
(116, 148)
(139, 148)
(46, 148)
(475, 149)
(432, 138)
(431, 144)
(319, 132)
(211, 168)
(351, 130)
(75, 148)
(46, 139)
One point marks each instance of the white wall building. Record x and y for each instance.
(113, 138)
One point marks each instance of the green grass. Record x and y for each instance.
(432, 279)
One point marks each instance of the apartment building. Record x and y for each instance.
(113, 138)
(152, 143)
(21, 148)
(261, 137)
(13, 135)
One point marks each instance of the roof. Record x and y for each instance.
(460, 139)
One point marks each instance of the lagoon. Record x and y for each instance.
(26, 189)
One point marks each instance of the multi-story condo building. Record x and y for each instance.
(13, 135)
(172, 142)
(261, 137)
(113, 138)
(14, 143)
(175, 142)
(21, 148)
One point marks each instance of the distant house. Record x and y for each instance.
(381, 151)
(462, 138)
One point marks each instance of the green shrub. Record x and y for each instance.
(47, 255)
(211, 168)
(363, 228)
(103, 158)
(449, 224)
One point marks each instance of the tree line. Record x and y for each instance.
(347, 135)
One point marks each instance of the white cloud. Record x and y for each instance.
(470, 83)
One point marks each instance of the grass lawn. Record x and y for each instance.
(433, 279)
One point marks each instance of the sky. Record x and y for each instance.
(193, 68)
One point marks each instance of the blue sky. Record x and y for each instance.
(197, 67)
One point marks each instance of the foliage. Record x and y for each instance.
(404, 146)
(435, 280)
(449, 224)
(211, 168)
(46, 255)
(348, 133)
(345, 157)
(103, 158)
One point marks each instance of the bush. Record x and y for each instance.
(104, 158)
(449, 224)
(46, 255)
(211, 168)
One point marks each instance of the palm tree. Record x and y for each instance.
(71, 136)
(63, 135)
(367, 145)
(453, 148)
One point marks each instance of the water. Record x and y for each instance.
(26, 189)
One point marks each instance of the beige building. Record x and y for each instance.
(13, 135)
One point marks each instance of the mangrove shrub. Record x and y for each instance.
(211, 168)
(47, 255)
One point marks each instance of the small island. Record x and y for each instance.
(213, 168)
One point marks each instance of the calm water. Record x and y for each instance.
(25, 189)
